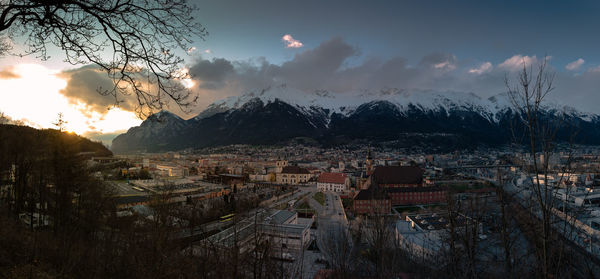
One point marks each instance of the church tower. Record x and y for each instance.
(369, 162)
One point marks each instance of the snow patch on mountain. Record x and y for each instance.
(325, 103)
(347, 102)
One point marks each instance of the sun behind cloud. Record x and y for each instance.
(32, 94)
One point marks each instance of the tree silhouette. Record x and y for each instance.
(60, 122)
(133, 41)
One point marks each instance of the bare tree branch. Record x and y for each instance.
(134, 41)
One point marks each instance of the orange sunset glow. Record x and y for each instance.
(33, 96)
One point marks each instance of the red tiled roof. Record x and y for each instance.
(332, 177)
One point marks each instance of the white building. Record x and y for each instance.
(334, 182)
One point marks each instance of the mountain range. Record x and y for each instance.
(408, 117)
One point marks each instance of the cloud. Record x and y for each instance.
(339, 68)
(83, 85)
(334, 65)
(483, 68)
(440, 61)
(8, 73)
(593, 70)
(516, 62)
(290, 42)
(575, 65)
(207, 51)
(211, 73)
(314, 68)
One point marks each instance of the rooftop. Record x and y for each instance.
(414, 189)
(131, 199)
(295, 170)
(398, 175)
(281, 217)
(331, 177)
(435, 221)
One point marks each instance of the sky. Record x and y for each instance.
(340, 46)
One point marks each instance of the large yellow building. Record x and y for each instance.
(293, 175)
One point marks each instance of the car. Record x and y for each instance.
(340, 214)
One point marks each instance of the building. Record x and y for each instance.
(124, 202)
(361, 181)
(334, 182)
(279, 165)
(397, 176)
(280, 228)
(235, 181)
(372, 201)
(404, 185)
(417, 195)
(293, 175)
(422, 245)
(422, 235)
(170, 170)
(285, 234)
(369, 163)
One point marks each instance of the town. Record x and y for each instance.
(337, 139)
(314, 205)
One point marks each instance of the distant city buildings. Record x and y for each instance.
(396, 185)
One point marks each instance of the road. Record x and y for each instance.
(333, 237)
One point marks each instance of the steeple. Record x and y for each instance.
(369, 162)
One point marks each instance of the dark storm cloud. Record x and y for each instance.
(325, 67)
(329, 67)
(84, 84)
(211, 73)
(313, 69)
(308, 70)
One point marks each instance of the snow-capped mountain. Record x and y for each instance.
(346, 103)
(282, 113)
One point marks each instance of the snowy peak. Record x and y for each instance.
(346, 103)
(406, 117)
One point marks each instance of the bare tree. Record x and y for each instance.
(550, 229)
(527, 97)
(60, 122)
(3, 118)
(134, 41)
